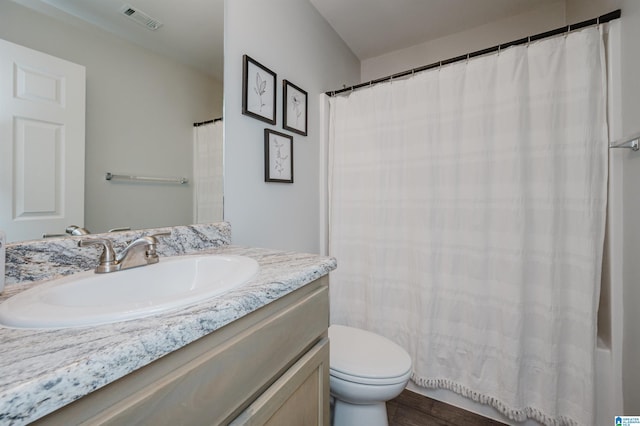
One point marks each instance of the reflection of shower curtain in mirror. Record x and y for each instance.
(207, 172)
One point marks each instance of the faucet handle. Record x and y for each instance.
(151, 251)
(107, 258)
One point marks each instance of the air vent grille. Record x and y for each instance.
(140, 17)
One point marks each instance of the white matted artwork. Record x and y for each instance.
(278, 157)
(294, 108)
(258, 91)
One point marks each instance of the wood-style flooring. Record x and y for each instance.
(412, 409)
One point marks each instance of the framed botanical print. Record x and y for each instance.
(294, 108)
(258, 91)
(278, 157)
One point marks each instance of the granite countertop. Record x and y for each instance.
(43, 370)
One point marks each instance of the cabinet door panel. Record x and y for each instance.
(299, 397)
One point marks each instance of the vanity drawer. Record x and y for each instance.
(213, 379)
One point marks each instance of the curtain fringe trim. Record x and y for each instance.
(518, 415)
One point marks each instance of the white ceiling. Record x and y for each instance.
(192, 30)
(374, 27)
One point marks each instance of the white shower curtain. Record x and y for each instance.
(467, 213)
(207, 172)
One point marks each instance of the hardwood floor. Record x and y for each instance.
(412, 409)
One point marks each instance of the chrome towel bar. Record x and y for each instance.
(628, 142)
(180, 180)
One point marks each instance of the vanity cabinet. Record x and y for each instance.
(270, 367)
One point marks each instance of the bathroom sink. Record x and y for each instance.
(88, 298)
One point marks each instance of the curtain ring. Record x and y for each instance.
(440, 66)
(528, 41)
(467, 59)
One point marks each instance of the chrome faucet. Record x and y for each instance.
(139, 252)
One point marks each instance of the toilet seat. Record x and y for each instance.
(360, 356)
(368, 380)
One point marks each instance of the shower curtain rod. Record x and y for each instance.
(595, 21)
(202, 123)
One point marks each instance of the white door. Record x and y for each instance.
(42, 131)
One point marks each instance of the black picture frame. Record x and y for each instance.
(295, 108)
(278, 157)
(258, 90)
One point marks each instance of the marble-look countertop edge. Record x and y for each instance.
(107, 353)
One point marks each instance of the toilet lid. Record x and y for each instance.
(362, 354)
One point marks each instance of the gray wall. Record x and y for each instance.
(294, 41)
(140, 113)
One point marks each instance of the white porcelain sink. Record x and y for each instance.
(88, 298)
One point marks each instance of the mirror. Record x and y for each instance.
(145, 89)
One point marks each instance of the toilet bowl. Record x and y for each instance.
(365, 371)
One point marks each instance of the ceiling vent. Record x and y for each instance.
(140, 17)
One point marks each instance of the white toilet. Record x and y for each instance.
(365, 371)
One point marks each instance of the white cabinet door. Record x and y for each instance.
(42, 136)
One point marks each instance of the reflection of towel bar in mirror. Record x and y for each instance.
(180, 180)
